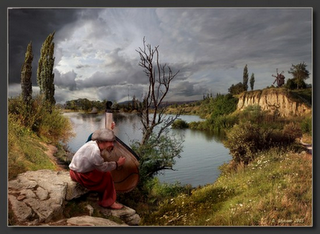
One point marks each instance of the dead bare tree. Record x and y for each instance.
(160, 76)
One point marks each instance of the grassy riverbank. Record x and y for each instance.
(273, 190)
(32, 133)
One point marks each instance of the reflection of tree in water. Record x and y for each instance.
(209, 135)
(133, 119)
(119, 117)
(90, 117)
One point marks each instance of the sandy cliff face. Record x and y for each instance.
(272, 100)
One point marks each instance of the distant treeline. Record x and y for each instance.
(84, 104)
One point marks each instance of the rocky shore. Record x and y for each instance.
(38, 198)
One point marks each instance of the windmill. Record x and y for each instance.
(279, 78)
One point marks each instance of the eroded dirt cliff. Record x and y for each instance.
(285, 102)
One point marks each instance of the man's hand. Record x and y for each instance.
(121, 161)
(113, 124)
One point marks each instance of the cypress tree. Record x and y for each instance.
(245, 78)
(45, 76)
(26, 72)
(252, 80)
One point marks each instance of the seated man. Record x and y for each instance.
(90, 170)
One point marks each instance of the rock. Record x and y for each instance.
(42, 194)
(91, 221)
(38, 198)
(90, 209)
(132, 220)
(25, 212)
(84, 221)
(128, 215)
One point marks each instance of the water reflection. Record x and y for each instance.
(202, 153)
(208, 136)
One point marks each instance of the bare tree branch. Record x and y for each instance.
(160, 77)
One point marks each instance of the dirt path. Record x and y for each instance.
(51, 150)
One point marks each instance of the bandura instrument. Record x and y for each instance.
(125, 177)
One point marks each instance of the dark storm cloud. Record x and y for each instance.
(33, 25)
(236, 35)
(96, 57)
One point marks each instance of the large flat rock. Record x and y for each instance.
(37, 198)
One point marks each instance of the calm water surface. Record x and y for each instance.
(202, 152)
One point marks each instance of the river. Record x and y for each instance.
(202, 154)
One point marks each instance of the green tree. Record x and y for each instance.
(157, 154)
(236, 89)
(223, 105)
(291, 84)
(245, 77)
(26, 73)
(45, 76)
(252, 80)
(299, 73)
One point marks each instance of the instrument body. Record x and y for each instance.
(125, 177)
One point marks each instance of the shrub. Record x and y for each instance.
(47, 123)
(245, 140)
(306, 125)
(219, 119)
(291, 131)
(224, 122)
(157, 154)
(253, 114)
(180, 124)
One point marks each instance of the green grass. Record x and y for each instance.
(30, 129)
(24, 150)
(274, 190)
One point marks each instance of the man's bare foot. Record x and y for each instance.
(116, 206)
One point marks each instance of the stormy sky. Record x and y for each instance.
(96, 58)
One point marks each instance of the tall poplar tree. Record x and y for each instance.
(26, 72)
(45, 76)
(245, 78)
(252, 80)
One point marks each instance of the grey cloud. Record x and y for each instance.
(34, 25)
(98, 79)
(188, 89)
(66, 80)
(210, 46)
(111, 93)
(80, 66)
